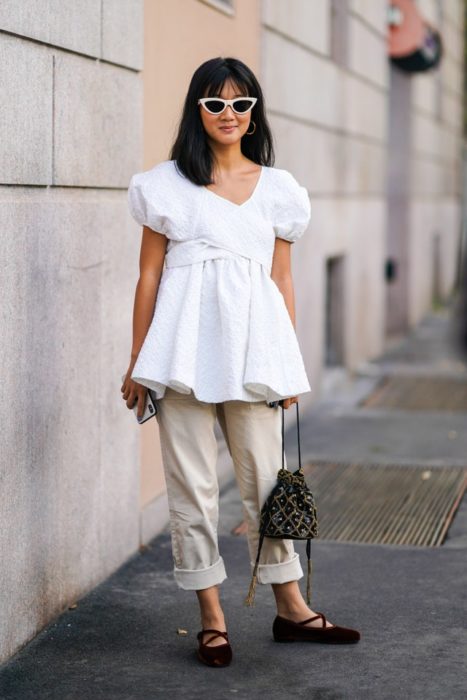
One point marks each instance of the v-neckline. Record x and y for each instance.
(234, 204)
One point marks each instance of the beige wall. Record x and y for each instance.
(180, 35)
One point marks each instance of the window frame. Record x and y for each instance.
(227, 7)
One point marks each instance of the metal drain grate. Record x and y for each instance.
(419, 394)
(385, 504)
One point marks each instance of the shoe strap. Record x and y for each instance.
(315, 617)
(216, 633)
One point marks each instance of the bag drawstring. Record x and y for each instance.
(308, 580)
(251, 591)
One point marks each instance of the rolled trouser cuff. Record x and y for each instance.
(197, 579)
(290, 570)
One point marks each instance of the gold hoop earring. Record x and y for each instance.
(249, 133)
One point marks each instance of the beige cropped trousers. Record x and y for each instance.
(252, 431)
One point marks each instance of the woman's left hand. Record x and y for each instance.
(289, 401)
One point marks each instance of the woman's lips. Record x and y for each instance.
(227, 129)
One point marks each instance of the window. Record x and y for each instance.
(226, 6)
(339, 31)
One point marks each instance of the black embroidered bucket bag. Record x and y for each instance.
(289, 512)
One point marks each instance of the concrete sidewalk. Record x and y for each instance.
(409, 603)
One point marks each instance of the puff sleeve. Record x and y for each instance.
(292, 209)
(136, 202)
(164, 201)
(141, 208)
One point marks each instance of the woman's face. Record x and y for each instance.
(228, 127)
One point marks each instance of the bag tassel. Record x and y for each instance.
(308, 582)
(251, 591)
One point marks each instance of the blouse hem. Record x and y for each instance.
(265, 391)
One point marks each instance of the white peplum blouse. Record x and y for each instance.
(220, 326)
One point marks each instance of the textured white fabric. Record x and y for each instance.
(221, 326)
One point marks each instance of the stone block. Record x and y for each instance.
(298, 83)
(305, 22)
(452, 111)
(327, 162)
(426, 177)
(26, 116)
(425, 92)
(453, 10)
(429, 11)
(451, 146)
(98, 131)
(367, 53)
(123, 32)
(453, 40)
(374, 12)
(426, 135)
(452, 77)
(363, 109)
(75, 26)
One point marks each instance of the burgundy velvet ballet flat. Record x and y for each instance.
(220, 655)
(289, 631)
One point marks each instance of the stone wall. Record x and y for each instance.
(71, 134)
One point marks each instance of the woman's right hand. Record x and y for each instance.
(133, 392)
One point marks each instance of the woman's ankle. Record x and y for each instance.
(216, 623)
(213, 620)
(212, 615)
(292, 611)
(289, 600)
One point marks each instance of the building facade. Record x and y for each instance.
(94, 90)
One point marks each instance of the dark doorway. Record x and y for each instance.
(334, 335)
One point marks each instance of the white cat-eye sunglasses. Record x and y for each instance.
(216, 105)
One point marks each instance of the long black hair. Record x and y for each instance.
(191, 149)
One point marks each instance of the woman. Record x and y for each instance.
(220, 342)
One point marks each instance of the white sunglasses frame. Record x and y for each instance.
(202, 101)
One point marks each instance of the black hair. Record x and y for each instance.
(191, 150)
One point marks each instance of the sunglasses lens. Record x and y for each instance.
(215, 106)
(242, 106)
